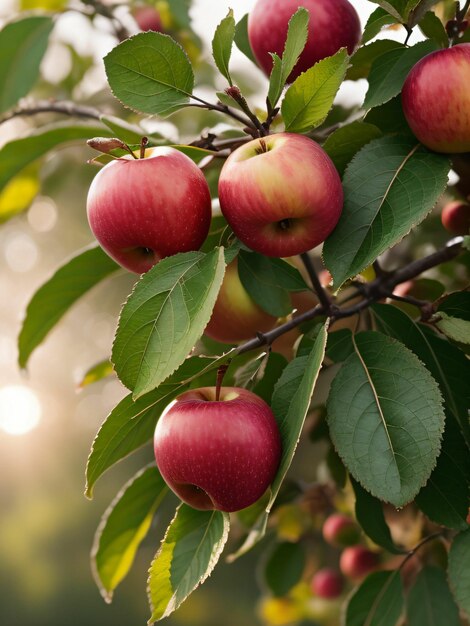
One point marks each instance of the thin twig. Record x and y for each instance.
(63, 107)
(322, 294)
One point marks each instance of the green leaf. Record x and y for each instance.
(123, 527)
(309, 99)
(454, 317)
(164, 317)
(271, 372)
(377, 602)
(389, 71)
(97, 372)
(241, 39)
(18, 194)
(430, 602)
(150, 73)
(222, 44)
(386, 418)
(189, 552)
(53, 299)
(389, 117)
(370, 516)
(362, 59)
(345, 142)
(389, 187)
(22, 47)
(297, 33)
(459, 572)
(454, 328)
(448, 365)
(17, 154)
(268, 281)
(397, 8)
(378, 19)
(290, 404)
(340, 345)
(132, 424)
(456, 305)
(284, 567)
(432, 27)
(419, 10)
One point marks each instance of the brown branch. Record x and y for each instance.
(322, 294)
(374, 291)
(52, 106)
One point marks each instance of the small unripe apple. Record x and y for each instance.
(340, 530)
(236, 316)
(147, 18)
(436, 99)
(357, 561)
(333, 24)
(142, 210)
(455, 217)
(281, 194)
(218, 453)
(327, 583)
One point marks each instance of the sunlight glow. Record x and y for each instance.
(20, 409)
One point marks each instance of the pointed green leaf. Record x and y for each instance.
(16, 155)
(189, 552)
(430, 602)
(222, 45)
(123, 527)
(19, 193)
(132, 424)
(459, 572)
(241, 38)
(344, 143)
(454, 328)
(394, 7)
(378, 19)
(295, 42)
(284, 567)
(22, 47)
(370, 516)
(389, 187)
(378, 601)
(150, 73)
(53, 299)
(309, 99)
(389, 117)
(164, 317)
(361, 61)
(268, 281)
(418, 10)
(96, 372)
(432, 27)
(386, 418)
(389, 71)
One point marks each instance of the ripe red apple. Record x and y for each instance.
(236, 316)
(436, 99)
(327, 583)
(333, 24)
(142, 210)
(147, 18)
(281, 194)
(218, 454)
(340, 530)
(357, 561)
(455, 217)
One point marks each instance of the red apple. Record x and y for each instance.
(147, 18)
(436, 99)
(357, 561)
(218, 454)
(340, 530)
(281, 194)
(236, 316)
(327, 583)
(455, 217)
(142, 210)
(333, 24)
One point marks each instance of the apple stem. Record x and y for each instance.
(143, 144)
(220, 377)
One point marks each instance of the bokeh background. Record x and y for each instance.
(46, 423)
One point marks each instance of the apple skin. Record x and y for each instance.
(436, 99)
(340, 530)
(333, 24)
(236, 316)
(283, 201)
(455, 217)
(148, 18)
(356, 562)
(327, 583)
(142, 210)
(219, 455)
